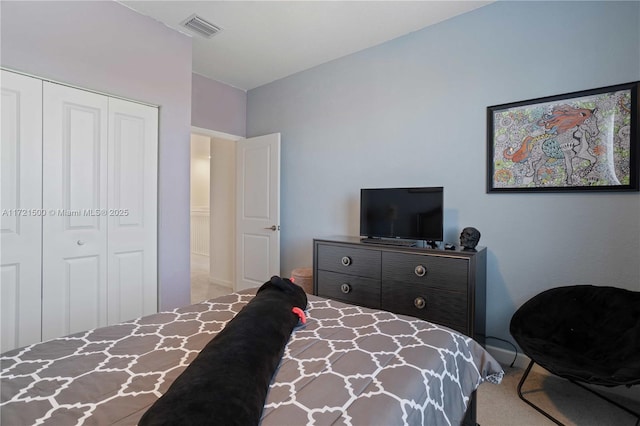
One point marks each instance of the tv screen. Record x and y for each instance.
(408, 213)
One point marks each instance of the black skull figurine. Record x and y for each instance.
(469, 238)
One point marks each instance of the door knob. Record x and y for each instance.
(80, 242)
(273, 228)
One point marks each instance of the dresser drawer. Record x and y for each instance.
(432, 271)
(444, 307)
(349, 288)
(451, 283)
(348, 260)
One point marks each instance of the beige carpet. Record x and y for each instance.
(499, 405)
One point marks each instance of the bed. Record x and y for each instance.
(349, 365)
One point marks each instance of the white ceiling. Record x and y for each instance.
(263, 41)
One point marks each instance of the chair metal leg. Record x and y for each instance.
(553, 419)
(540, 410)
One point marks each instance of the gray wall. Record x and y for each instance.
(412, 112)
(104, 46)
(216, 106)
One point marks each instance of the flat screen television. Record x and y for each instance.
(404, 213)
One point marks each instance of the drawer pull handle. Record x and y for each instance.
(345, 288)
(420, 303)
(346, 261)
(420, 270)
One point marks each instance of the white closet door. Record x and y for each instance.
(21, 204)
(132, 215)
(74, 261)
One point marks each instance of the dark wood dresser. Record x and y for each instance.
(447, 287)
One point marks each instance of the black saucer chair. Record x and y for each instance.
(586, 334)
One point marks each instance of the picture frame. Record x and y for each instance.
(580, 141)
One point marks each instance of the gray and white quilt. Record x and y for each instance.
(350, 365)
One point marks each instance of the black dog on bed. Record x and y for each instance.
(227, 383)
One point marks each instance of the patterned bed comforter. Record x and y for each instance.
(349, 365)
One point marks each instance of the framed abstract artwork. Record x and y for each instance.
(581, 141)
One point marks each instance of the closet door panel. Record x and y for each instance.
(132, 219)
(80, 298)
(74, 238)
(21, 205)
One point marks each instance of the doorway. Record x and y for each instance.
(213, 169)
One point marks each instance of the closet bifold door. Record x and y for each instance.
(99, 263)
(132, 215)
(21, 204)
(74, 237)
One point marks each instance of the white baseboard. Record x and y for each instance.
(505, 357)
(223, 283)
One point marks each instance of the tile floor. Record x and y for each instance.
(201, 288)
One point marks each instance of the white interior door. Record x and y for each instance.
(74, 239)
(21, 204)
(258, 210)
(132, 210)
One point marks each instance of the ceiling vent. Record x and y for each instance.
(201, 26)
